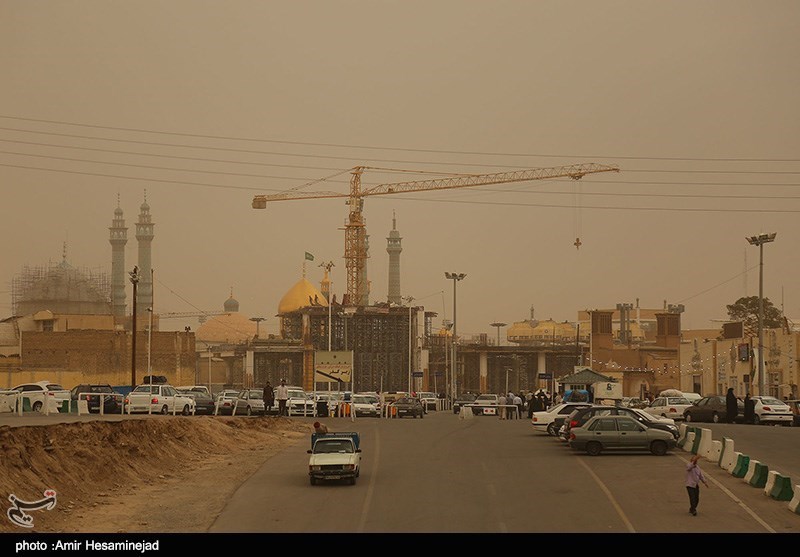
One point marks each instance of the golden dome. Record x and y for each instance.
(300, 296)
(521, 330)
(231, 328)
(548, 329)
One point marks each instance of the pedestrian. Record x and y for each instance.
(269, 398)
(502, 401)
(694, 477)
(731, 406)
(282, 395)
(531, 401)
(320, 429)
(518, 404)
(749, 409)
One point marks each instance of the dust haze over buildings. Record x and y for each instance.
(205, 106)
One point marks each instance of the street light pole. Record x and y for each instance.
(258, 321)
(759, 241)
(408, 300)
(455, 277)
(134, 276)
(498, 325)
(328, 266)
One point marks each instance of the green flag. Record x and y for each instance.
(309, 257)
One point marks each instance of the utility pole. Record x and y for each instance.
(134, 276)
(455, 277)
(759, 241)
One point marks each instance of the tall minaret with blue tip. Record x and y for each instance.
(394, 248)
(144, 235)
(118, 236)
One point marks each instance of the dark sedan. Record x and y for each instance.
(619, 433)
(112, 404)
(712, 409)
(409, 407)
(461, 400)
(205, 404)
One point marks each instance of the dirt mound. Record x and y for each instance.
(136, 475)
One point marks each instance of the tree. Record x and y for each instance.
(746, 310)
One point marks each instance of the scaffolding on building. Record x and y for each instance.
(61, 288)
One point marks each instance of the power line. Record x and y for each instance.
(382, 148)
(718, 285)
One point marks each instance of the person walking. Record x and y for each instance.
(501, 401)
(282, 395)
(518, 404)
(731, 406)
(749, 409)
(269, 398)
(694, 477)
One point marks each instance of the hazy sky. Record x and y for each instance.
(206, 104)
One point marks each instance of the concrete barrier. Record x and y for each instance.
(779, 487)
(705, 445)
(465, 413)
(756, 474)
(698, 436)
(741, 466)
(727, 458)
(688, 443)
(715, 452)
(794, 504)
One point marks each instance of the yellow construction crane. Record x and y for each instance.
(355, 243)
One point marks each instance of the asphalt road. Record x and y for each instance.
(442, 474)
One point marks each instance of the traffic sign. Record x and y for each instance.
(418, 374)
(545, 376)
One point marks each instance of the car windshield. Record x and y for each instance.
(486, 397)
(55, 387)
(678, 400)
(146, 389)
(296, 393)
(101, 389)
(333, 446)
(362, 399)
(770, 400)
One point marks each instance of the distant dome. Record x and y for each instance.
(144, 207)
(118, 211)
(550, 329)
(300, 296)
(520, 331)
(231, 305)
(231, 328)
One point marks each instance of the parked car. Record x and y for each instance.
(249, 402)
(155, 380)
(770, 410)
(366, 405)
(196, 389)
(428, 400)
(158, 399)
(40, 391)
(462, 399)
(794, 406)
(619, 433)
(632, 402)
(225, 400)
(300, 403)
(711, 409)
(580, 416)
(409, 406)
(668, 407)
(543, 422)
(204, 403)
(485, 405)
(391, 396)
(111, 404)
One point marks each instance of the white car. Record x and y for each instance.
(668, 407)
(300, 403)
(159, 399)
(249, 402)
(428, 400)
(484, 405)
(544, 422)
(366, 405)
(225, 401)
(770, 410)
(38, 392)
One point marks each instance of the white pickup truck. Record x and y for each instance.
(159, 399)
(334, 456)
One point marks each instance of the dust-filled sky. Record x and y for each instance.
(205, 104)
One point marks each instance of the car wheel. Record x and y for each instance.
(756, 419)
(715, 418)
(658, 448)
(37, 406)
(249, 411)
(313, 480)
(186, 410)
(164, 410)
(551, 430)
(593, 448)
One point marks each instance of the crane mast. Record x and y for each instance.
(355, 243)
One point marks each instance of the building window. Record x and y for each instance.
(47, 325)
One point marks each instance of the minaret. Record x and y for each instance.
(394, 248)
(118, 237)
(144, 235)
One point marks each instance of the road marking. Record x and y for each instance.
(495, 507)
(611, 499)
(371, 489)
(736, 500)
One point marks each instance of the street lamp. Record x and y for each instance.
(258, 321)
(498, 325)
(134, 276)
(759, 241)
(408, 300)
(455, 277)
(328, 265)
